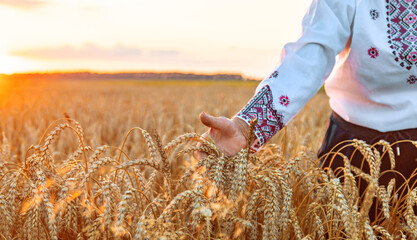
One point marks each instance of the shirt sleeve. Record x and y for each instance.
(305, 64)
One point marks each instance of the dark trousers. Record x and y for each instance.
(405, 153)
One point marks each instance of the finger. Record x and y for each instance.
(210, 121)
(199, 155)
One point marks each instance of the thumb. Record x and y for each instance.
(210, 121)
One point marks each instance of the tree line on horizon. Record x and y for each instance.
(122, 75)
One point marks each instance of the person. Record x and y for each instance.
(371, 90)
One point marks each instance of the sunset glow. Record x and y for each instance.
(244, 36)
(11, 64)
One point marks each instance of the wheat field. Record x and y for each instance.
(114, 160)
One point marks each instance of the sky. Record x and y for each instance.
(207, 36)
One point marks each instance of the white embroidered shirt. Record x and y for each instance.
(373, 83)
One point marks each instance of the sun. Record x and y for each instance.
(8, 65)
(11, 64)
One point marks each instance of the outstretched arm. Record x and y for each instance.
(305, 64)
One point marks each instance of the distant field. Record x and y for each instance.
(108, 109)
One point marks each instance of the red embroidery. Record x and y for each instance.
(373, 52)
(412, 79)
(411, 38)
(374, 14)
(284, 100)
(274, 74)
(412, 57)
(402, 35)
(269, 120)
(410, 19)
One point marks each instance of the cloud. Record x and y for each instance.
(163, 53)
(23, 4)
(91, 51)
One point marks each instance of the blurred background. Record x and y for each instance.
(210, 36)
(115, 65)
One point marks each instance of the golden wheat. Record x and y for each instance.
(103, 184)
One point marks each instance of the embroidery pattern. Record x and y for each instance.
(284, 100)
(274, 74)
(402, 31)
(374, 14)
(412, 79)
(269, 120)
(373, 52)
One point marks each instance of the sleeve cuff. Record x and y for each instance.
(261, 107)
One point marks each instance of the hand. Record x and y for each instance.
(230, 135)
